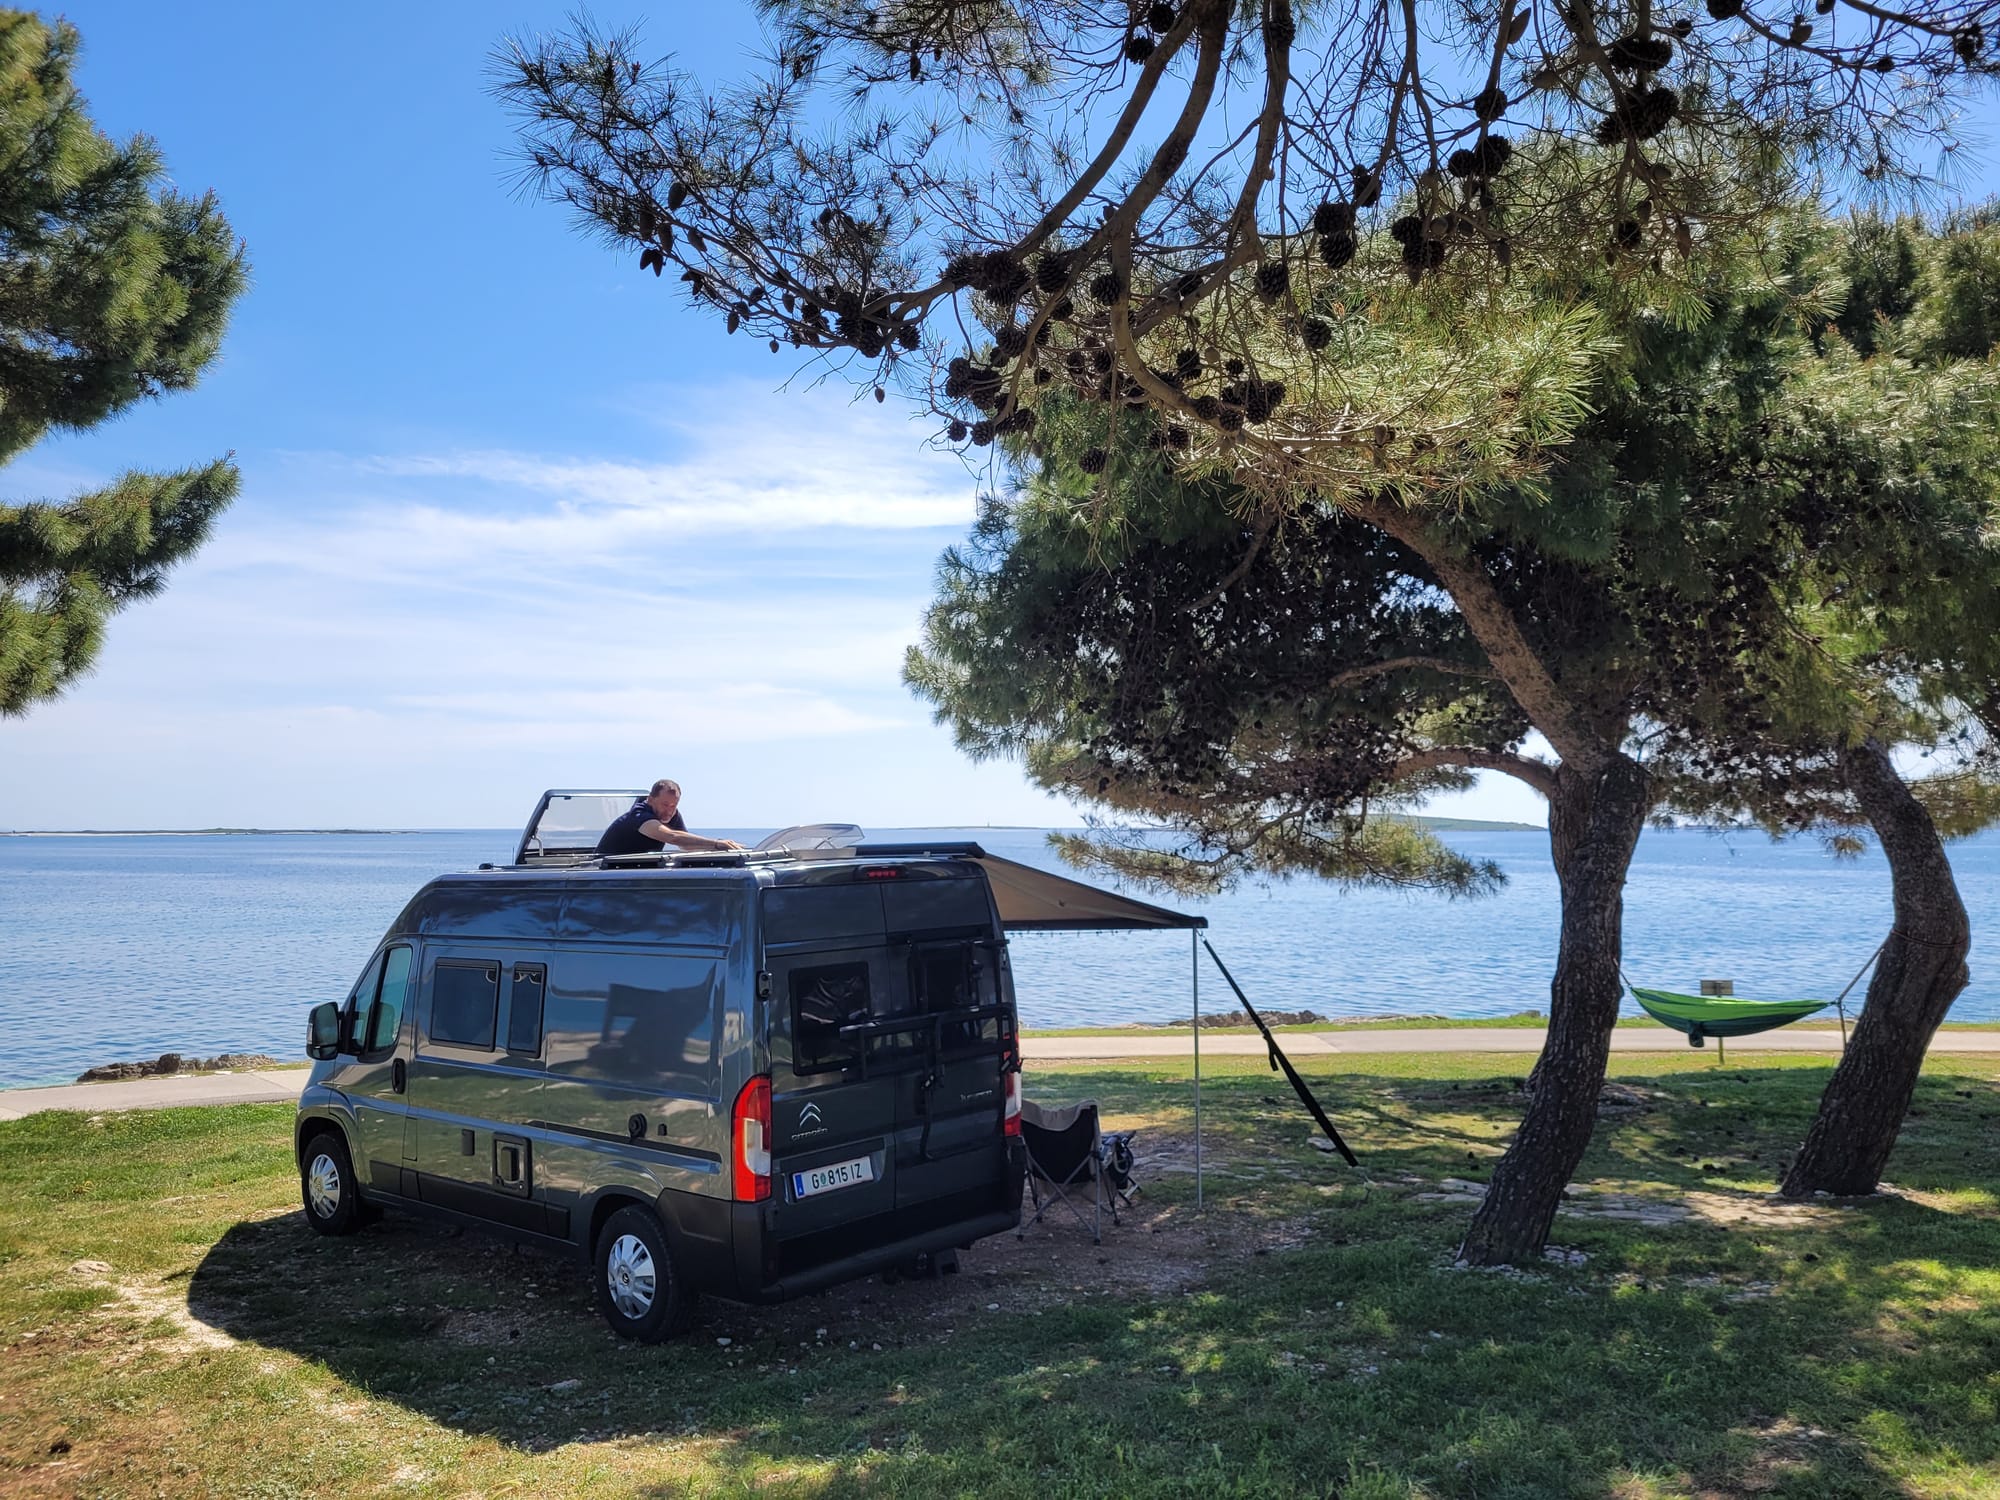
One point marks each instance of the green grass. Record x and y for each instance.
(1526, 1018)
(1520, 1020)
(1305, 1335)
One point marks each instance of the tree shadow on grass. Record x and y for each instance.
(1840, 1354)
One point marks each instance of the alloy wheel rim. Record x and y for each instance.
(323, 1185)
(631, 1275)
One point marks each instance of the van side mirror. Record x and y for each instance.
(323, 1032)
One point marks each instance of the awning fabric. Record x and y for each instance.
(1034, 900)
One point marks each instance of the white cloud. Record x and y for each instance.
(401, 637)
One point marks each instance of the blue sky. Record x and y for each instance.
(511, 517)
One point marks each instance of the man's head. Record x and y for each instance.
(664, 798)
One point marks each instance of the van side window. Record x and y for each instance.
(824, 999)
(623, 1017)
(354, 1023)
(386, 1019)
(465, 1002)
(524, 1010)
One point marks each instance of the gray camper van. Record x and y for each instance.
(752, 1074)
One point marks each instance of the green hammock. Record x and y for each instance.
(1702, 1016)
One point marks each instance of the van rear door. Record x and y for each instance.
(890, 1022)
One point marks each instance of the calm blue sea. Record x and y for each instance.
(126, 947)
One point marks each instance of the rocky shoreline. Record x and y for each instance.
(168, 1064)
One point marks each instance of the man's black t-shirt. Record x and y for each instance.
(624, 837)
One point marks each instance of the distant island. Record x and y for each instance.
(127, 833)
(1436, 825)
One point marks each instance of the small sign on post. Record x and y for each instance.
(1717, 988)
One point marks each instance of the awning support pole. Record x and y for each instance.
(1194, 990)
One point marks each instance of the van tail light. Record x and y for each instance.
(750, 1130)
(1010, 1084)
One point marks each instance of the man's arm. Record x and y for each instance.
(653, 828)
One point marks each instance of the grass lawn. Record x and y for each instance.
(1519, 1021)
(169, 1326)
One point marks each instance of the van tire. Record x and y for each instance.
(327, 1186)
(633, 1277)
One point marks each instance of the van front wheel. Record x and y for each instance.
(326, 1185)
(632, 1273)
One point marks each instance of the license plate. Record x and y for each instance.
(830, 1178)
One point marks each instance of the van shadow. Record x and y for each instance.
(489, 1339)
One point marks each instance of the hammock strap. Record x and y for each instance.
(1840, 1003)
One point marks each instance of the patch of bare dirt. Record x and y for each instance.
(1156, 1250)
(1722, 1209)
(152, 1301)
(1767, 1210)
(1785, 1450)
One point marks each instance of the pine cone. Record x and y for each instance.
(1337, 250)
(1274, 279)
(1108, 287)
(1000, 276)
(1638, 53)
(1052, 272)
(1093, 461)
(1138, 49)
(956, 431)
(1333, 217)
(1315, 333)
(1161, 17)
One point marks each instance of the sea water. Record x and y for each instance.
(119, 947)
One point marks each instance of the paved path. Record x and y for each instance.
(283, 1084)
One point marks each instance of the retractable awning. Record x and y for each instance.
(1037, 900)
(1032, 900)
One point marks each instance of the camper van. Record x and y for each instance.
(753, 1074)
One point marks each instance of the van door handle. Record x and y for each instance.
(399, 1076)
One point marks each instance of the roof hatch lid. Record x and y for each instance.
(567, 824)
(816, 840)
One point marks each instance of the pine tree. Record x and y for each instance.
(1381, 300)
(1745, 563)
(113, 288)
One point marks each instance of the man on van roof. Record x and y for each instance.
(653, 822)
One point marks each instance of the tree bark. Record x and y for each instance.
(1594, 824)
(1921, 971)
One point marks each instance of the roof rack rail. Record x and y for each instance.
(690, 859)
(954, 848)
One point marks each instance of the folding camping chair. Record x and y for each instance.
(1064, 1154)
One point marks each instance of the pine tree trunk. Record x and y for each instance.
(1921, 971)
(1594, 824)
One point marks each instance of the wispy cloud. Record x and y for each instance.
(738, 591)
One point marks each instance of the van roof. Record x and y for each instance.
(561, 836)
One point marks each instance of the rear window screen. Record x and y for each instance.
(465, 999)
(824, 999)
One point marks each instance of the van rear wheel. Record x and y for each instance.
(632, 1273)
(326, 1185)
